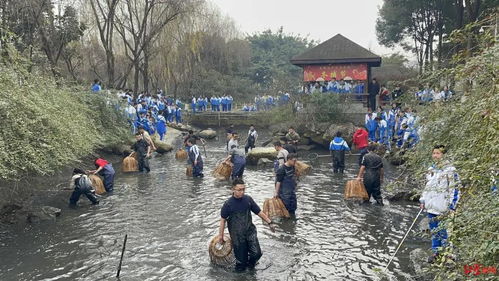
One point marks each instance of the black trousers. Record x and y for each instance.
(247, 252)
(338, 161)
(143, 164)
(373, 187)
(75, 196)
(372, 102)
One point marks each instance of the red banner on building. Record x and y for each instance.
(338, 71)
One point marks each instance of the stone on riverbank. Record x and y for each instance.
(208, 134)
(260, 152)
(396, 157)
(181, 127)
(45, 213)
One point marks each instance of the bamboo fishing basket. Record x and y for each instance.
(355, 189)
(274, 207)
(130, 164)
(223, 254)
(181, 154)
(97, 184)
(188, 171)
(222, 171)
(302, 169)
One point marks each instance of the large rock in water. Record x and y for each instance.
(347, 130)
(265, 163)
(161, 147)
(208, 134)
(260, 152)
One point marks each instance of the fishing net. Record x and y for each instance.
(130, 164)
(274, 207)
(222, 171)
(302, 169)
(97, 184)
(221, 254)
(355, 189)
(181, 154)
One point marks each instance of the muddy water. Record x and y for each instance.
(169, 219)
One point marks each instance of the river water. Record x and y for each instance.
(170, 218)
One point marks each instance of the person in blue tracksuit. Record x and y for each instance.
(338, 146)
(382, 129)
(440, 196)
(96, 86)
(178, 114)
(229, 103)
(161, 125)
(371, 126)
(285, 186)
(193, 104)
(224, 103)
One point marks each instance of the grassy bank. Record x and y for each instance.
(46, 125)
(468, 126)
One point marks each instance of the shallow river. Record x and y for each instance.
(169, 219)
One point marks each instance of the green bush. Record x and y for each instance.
(469, 126)
(46, 125)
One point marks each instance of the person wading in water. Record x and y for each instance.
(285, 186)
(236, 211)
(371, 172)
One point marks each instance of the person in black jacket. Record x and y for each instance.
(373, 90)
(236, 211)
(371, 173)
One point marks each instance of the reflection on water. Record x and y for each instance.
(169, 219)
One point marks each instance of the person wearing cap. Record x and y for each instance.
(285, 183)
(105, 169)
(81, 185)
(236, 212)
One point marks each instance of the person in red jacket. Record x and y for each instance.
(361, 140)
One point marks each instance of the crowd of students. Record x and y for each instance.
(152, 112)
(343, 86)
(216, 103)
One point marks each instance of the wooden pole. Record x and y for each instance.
(122, 254)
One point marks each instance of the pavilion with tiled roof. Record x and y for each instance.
(337, 58)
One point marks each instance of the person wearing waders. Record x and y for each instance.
(252, 137)
(440, 196)
(195, 158)
(236, 211)
(338, 146)
(371, 173)
(82, 185)
(143, 150)
(285, 186)
(237, 161)
(105, 169)
(282, 155)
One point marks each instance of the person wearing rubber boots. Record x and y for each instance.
(285, 186)
(236, 211)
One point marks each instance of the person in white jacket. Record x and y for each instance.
(440, 195)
